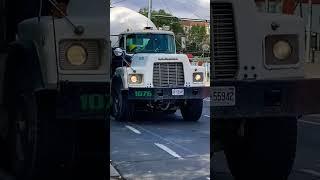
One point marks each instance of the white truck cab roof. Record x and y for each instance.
(148, 31)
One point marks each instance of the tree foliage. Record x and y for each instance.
(161, 18)
(197, 36)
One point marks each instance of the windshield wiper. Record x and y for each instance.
(163, 51)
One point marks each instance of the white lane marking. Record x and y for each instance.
(206, 116)
(309, 171)
(171, 142)
(133, 129)
(309, 122)
(168, 150)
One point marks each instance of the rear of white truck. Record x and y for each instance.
(259, 88)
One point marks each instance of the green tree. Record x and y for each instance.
(197, 36)
(165, 19)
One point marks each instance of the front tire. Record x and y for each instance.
(265, 151)
(28, 142)
(122, 109)
(192, 110)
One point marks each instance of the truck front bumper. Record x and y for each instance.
(79, 100)
(269, 98)
(168, 93)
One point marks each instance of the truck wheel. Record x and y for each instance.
(122, 109)
(192, 110)
(170, 112)
(267, 148)
(24, 139)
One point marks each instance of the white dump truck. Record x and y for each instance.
(148, 74)
(54, 88)
(260, 88)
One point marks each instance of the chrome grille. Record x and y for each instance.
(169, 74)
(93, 50)
(225, 51)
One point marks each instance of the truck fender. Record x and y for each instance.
(120, 75)
(22, 72)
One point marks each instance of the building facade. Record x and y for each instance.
(188, 24)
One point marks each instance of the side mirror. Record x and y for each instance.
(118, 52)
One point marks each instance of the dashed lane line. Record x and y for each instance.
(311, 172)
(168, 150)
(309, 122)
(133, 129)
(171, 142)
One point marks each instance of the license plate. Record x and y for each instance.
(224, 96)
(177, 92)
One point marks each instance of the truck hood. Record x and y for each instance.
(147, 59)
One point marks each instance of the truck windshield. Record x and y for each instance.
(150, 43)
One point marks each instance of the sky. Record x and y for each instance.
(195, 9)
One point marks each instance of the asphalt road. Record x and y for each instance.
(307, 163)
(162, 147)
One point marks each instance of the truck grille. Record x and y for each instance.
(168, 74)
(225, 55)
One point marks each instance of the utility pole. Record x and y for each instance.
(267, 5)
(149, 9)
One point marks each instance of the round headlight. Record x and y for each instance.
(282, 50)
(76, 55)
(134, 79)
(197, 77)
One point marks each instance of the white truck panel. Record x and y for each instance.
(143, 64)
(123, 19)
(252, 27)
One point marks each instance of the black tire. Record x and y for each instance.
(192, 110)
(31, 137)
(266, 151)
(122, 109)
(29, 151)
(170, 112)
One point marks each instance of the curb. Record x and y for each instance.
(114, 174)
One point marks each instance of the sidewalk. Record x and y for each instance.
(114, 174)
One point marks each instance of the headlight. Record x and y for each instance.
(197, 77)
(135, 78)
(282, 50)
(77, 55)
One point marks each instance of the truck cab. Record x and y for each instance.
(155, 77)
